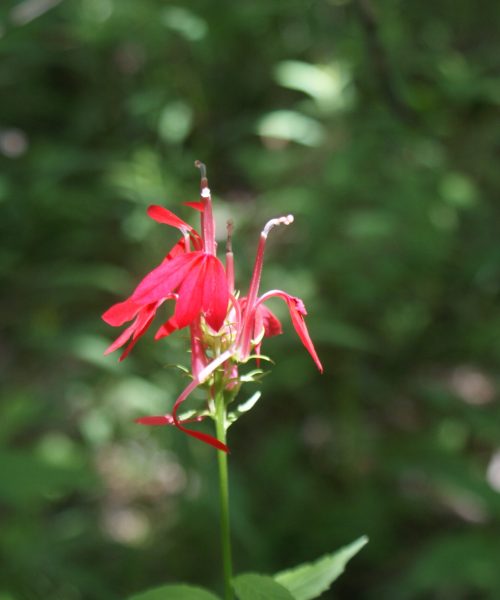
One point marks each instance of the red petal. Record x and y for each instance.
(164, 280)
(163, 215)
(135, 330)
(145, 317)
(168, 420)
(297, 311)
(215, 293)
(272, 325)
(189, 304)
(177, 250)
(166, 329)
(144, 320)
(121, 339)
(204, 437)
(301, 329)
(120, 313)
(200, 206)
(165, 420)
(160, 420)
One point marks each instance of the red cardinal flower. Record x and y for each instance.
(225, 330)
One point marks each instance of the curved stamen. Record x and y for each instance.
(274, 222)
(246, 329)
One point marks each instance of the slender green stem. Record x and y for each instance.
(220, 413)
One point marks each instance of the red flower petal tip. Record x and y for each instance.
(158, 420)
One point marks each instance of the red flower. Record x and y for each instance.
(225, 329)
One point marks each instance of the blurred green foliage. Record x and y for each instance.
(375, 123)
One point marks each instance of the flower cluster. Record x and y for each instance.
(226, 329)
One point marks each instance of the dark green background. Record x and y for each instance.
(377, 124)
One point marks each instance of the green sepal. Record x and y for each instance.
(181, 368)
(254, 376)
(259, 357)
(251, 586)
(175, 592)
(189, 414)
(310, 580)
(234, 415)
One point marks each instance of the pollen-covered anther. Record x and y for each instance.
(274, 222)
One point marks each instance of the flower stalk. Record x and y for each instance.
(225, 527)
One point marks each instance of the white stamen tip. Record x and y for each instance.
(205, 192)
(274, 222)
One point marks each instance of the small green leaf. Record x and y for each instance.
(312, 579)
(259, 587)
(175, 592)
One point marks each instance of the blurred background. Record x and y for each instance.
(377, 124)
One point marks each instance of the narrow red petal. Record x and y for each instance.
(128, 349)
(144, 320)
(145, 317)
(297, 311)
(122, 339)
(168, 420)
(177, 250)
(166, 329)
(199, 206)
(159, 420)
(135, 330)
(301, 329)
(120, 313)
(164, 279)
(165, 420)
(204, 437)
(215, 293)
(163, 215)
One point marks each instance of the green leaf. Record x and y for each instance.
(175, 592)
(259, 587)
(312, 579)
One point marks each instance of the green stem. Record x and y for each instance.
(220, 414)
